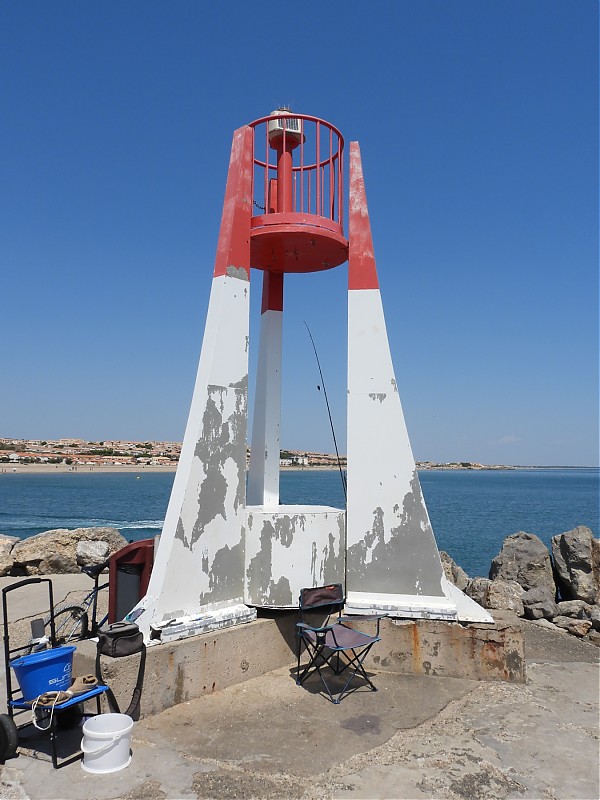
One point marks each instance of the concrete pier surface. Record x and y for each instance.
(419, 736)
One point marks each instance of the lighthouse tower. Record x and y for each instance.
(228, 545)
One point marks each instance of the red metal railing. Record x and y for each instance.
(317, 172)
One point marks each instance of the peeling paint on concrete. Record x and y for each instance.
(334, 558)
(227, 566)
(262, 586)
(237, 272)
(398, 554)
(258, 571)
(392, 556)
(200, 559)
(290, 548)
(180, 534)
(284, 530)
(220, 441)
(241, 384)
(282, 592)
(210, 450)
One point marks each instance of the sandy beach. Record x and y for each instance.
(30, 469)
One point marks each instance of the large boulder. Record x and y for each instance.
(578, 609)
(477, 589)
(576, 557)
(576, 627)
(56, 551)
(496, 595)
(593, 637)
(92, 553)
(545, 623)
(524, 558)
(6, 558)
(538, 603)
(453, 572)
(505, 596)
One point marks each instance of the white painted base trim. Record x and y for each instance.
(210, 620)
(291, 510)
(467, 610)
(400, 605)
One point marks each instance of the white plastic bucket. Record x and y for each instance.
(106, 743)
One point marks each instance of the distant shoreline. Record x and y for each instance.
(11, 469)
(83, 469)
(86, 469)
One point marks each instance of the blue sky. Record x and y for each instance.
(478, 125)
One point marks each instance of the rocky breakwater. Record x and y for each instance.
(558, 588)
(58, 551)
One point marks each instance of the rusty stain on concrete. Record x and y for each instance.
(179, 696)
(416, 648)
(453, 649)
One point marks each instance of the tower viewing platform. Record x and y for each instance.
(297, 188)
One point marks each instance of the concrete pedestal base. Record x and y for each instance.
(183, 670)
(479, 652)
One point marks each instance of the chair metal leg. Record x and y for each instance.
(338, 665)
(298, 681)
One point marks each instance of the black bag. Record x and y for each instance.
(120, 639)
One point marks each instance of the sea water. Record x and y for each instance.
(471, 511)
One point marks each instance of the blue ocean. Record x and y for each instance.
(471, 511)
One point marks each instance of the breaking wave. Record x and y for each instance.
(152, 524)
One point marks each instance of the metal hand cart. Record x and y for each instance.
(60, 714)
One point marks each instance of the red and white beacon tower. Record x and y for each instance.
(227, 544)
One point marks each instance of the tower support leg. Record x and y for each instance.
(263, 477)
(393, 564)
(197, 580)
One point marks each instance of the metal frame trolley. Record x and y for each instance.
(61, 716)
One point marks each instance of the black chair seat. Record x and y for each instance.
(339, 637)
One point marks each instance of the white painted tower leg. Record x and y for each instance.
(392, 561)
(263, 477)
(197, 580)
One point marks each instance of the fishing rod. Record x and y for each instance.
(342, 476)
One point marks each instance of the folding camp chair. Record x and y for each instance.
(336, 645)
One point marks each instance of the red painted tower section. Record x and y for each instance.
(234, 236)
(362, 271)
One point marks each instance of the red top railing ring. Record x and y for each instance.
(317, 155)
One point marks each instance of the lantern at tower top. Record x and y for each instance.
(282, 120)
(298, 194)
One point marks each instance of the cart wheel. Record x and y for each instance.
(70, 717)
(9, 737)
